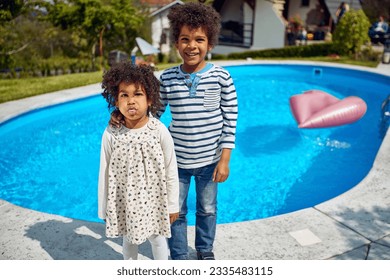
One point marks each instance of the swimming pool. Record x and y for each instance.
(49, 158)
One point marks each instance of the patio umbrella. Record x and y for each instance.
(145, 47)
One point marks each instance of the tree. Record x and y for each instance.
(10, 9)
(126, 25)
(11, 42)
(351, 32)
(95, 20)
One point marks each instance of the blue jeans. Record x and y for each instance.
(206, 212)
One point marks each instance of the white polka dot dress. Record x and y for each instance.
(137, 203)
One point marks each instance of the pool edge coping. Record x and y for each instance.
(331, 209)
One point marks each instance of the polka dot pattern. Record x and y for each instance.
(137, 203)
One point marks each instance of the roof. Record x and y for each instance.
(166, 7)
(156, 2)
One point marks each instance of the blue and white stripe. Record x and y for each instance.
(204, 124)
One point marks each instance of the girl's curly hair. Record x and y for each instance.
(128, 73)
(195, 15)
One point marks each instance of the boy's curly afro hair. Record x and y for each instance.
(195, 15)
(128, 73)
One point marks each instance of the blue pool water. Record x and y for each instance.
(49, 158)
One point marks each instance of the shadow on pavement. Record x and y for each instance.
(79, 240)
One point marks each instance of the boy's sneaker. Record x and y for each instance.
(207, 256)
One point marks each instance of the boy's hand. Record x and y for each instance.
(221, 172)
(116, 119)
(173, 217)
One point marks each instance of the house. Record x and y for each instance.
(160, 26)
(317, 16)
(154, 5)
(255, 24)
(250, 24)
(261, 24)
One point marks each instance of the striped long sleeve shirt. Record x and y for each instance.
(203, 121)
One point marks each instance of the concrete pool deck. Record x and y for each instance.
(352, 226)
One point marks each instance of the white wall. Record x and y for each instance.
(219, 49)
(248, 19)
(159, 23)
(232, 10)
(269, 27)
(295, 9)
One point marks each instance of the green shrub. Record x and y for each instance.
(351, 33)
(321, 49)
(219, 56)
(369, 54)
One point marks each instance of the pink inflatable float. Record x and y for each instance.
(317, 109)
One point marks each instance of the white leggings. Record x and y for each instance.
(159, 248)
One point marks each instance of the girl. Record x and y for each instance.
(138, 180)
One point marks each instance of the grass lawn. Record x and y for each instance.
(13, 89)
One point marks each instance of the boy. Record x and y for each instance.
(203, 103)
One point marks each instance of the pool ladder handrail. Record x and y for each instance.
(385, 117)
(386, 107)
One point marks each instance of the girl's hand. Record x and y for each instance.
(173, 217)
(116, 119)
